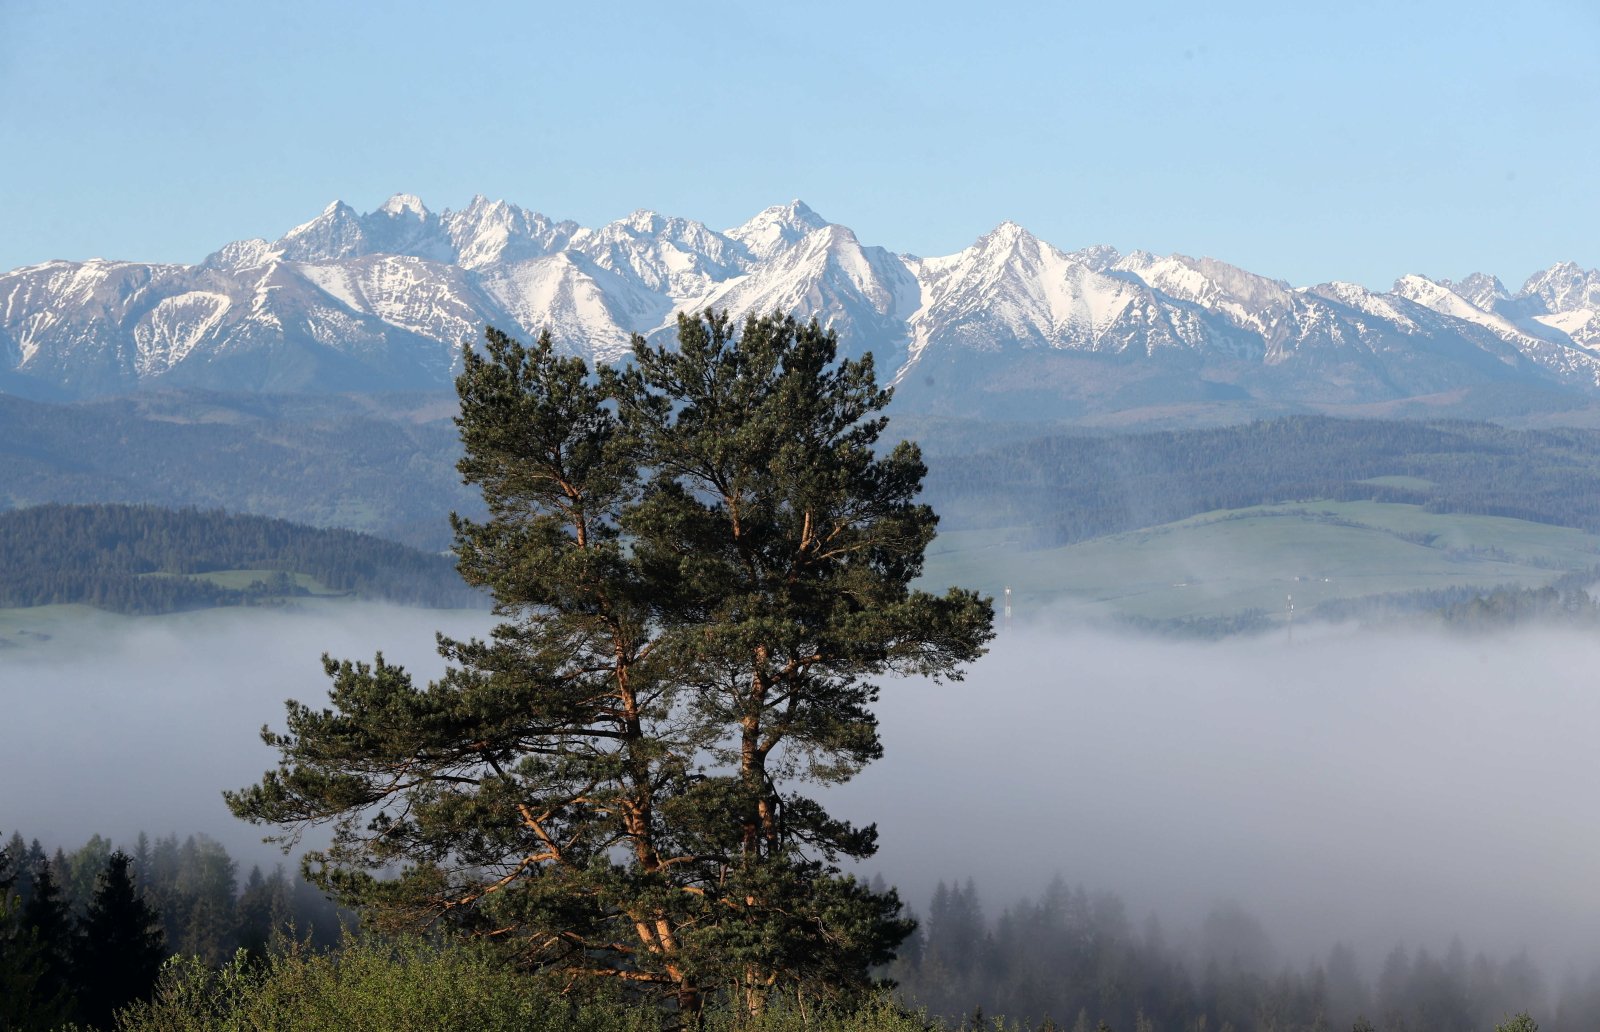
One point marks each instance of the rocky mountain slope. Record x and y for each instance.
(387, 300)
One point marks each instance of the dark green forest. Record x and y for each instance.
(85, 932)
(143, 559)
(380, 464)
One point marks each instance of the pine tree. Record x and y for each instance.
(121, 946)
(702, 562)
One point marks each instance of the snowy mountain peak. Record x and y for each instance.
(777, 228)
(1098, 257)
(1482, 289)
(333, 235)
(405, 204)
(1565, 287)
(242, 255)
(1006, 234)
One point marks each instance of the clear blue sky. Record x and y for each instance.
(1347, 140)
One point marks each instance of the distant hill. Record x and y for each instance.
(144, 559)
(380, 464)
(1069, 487)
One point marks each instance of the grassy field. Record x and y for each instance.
(240, 579)
(1222, 563)
(41, 625)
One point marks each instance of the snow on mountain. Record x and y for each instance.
(1563, 299)
(865, 294)
(678, 258)
(242, 256)
(430, 299)
(1564, 287)
(1484, 291)
(1012, 290)
(1244, 298)
(335, 234)
(776, 229)
(389, 298)
(589, 310)
(487, 232)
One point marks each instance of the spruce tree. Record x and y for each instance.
(121, 946)
(702, 563)
(29, 998)
(48, 918)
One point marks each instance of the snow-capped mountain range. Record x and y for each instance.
(1010, 325)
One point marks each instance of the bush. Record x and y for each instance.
(375, 986)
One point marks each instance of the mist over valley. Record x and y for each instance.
(1365, 787)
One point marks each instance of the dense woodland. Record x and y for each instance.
(380, 464)
(142, 559)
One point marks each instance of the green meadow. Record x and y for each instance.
(1227, 561)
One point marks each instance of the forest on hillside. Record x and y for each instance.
(1065, 488)
(144, 559)
(387, 465)
(380, 464)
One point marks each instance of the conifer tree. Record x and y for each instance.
(121, 947)
(28, 998)
(702, 563)
(47, 917)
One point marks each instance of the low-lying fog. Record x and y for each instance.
(1364, 787)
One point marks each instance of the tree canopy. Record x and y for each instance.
(703, 561)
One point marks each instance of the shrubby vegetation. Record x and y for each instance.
(141, 559)
(370, 985)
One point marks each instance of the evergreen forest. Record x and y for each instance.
(144, 559)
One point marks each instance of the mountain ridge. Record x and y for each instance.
(389, 299)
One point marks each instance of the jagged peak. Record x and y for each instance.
(1007, 235)
(1098, 257)
(1413, 282)
(335, 212)
(777, 228)
(796, 214)
(800, 211)
(643, 220)
(405, 204)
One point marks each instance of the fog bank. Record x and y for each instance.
(1368, 787)
(123, 724)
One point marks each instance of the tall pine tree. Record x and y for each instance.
(702, 563)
